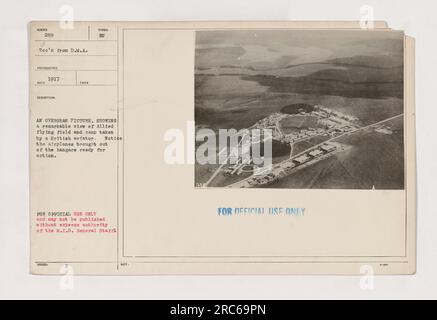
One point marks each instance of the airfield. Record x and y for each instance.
(312, 135)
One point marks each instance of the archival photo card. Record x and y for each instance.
(212, 148)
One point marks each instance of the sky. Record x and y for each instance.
(278, 48)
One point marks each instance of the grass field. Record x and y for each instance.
(375, 160)
(202, 173)
(301, 146)
(296, 123)
(219, 108)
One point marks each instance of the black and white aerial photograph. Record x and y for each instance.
(332, 100)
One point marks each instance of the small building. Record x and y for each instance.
(302, 159)
(316, 153)
(328, 148)
(288, 165)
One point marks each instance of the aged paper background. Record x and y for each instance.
(165, 226)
